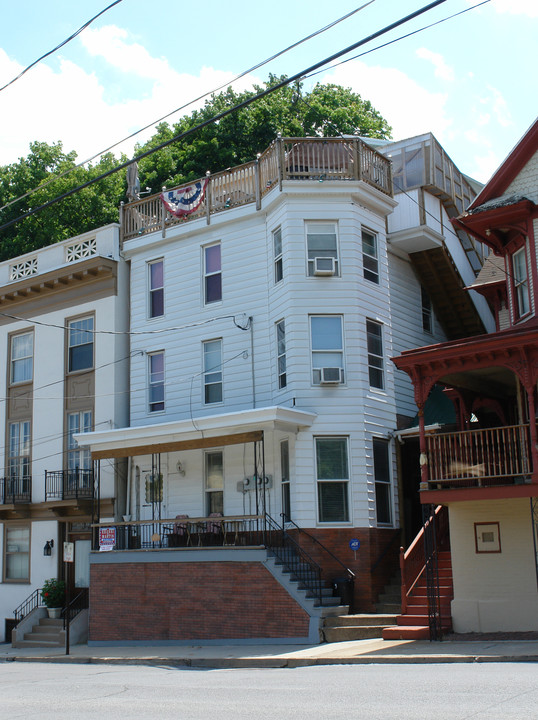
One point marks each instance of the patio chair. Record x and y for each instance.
(179, 537)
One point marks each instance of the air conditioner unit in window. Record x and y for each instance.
(331, 375)
(324, 266)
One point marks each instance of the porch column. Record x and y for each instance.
(424, 471)
(532, 428)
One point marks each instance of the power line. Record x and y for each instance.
(228, 111)
(191, 102)
(71, 37)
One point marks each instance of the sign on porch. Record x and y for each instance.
(107, 538)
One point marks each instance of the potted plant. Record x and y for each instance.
(53, 596)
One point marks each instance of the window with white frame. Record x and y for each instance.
(80, 344)
(78, 458)
(19, 451)
(332, 473)
(374, 337)
(383, 501)
(521, 282)
(427, 314)
(156, 288)
(326, 340)
(285, 475)
(281, 353)
(277, 254)
(212, 351)
(322, 248)
(214, 482)
(370, 259)
(156, 381)
(16, 553)
(212, 274)
(22, 358)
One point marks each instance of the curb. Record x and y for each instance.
(277, 663)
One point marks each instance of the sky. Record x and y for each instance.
(471, 80)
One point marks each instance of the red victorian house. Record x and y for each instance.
(484, 469)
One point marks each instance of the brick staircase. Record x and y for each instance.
(414, 623)
(48, 633)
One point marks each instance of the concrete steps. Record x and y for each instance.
(48, 633)
(362, 626)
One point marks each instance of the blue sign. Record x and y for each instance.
(354, 544)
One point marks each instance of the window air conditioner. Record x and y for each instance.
(324, 266)
(331, 375)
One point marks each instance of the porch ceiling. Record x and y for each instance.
(211, 431)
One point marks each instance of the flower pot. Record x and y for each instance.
(54, 612)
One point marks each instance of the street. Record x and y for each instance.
(482, 691)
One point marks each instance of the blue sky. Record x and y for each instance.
(471, 80)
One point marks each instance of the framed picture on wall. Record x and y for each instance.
(487, 537)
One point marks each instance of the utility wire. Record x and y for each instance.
(186, 105)
(228, 111)
(71, 37)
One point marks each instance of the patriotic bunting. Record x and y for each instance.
(185, 201)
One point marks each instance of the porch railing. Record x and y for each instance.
(25, 608)
(68, 484)
(15, 490)
(476, 458)
(179, 533)
(321, 159)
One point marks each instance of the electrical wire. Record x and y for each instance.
(71, 37)
(186, 105)
(229, 111)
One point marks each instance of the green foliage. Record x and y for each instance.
(53, 593)
(327, 110)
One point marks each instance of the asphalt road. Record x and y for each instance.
(489, 691)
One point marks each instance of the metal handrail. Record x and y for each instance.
(26, 607)
(77, 605)
(350, 572)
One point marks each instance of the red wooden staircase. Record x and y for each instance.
(417, 574)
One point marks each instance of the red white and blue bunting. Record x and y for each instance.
(185, 201)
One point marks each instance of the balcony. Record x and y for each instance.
(297, 159)
(69, 492)
(487, 458)
(15, 496)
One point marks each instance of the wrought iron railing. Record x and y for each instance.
(476, 458)
(294, 558)
(68, 484)
(321, 159)
(180, 532)
(15, 490)
(79, 603)
(25, 608)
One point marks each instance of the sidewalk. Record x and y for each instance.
(286, 656)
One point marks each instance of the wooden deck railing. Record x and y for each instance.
(476, 458)
(321, 159)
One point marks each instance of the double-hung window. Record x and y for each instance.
(374, 337)
(322, 248)
(383, 502)
(19, 452)
(277, 254)
(370, 259)
(326, 340)
(156, 288)
(214, 482)
(17, 553)
(212, 371)
(80, 344)
(79, 460)
(332, 473)
(427, 315)
(156, 381)
(281, 354)
(22, 357)
(521, 281)
(212, 274)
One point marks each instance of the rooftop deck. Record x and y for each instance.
(298, 159)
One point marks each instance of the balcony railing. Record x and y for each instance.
(320, 159)
(68, 484)
(15, 490)
(479, 458)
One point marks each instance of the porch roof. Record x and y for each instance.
(210, 431)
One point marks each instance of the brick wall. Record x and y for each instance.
(373, 541)
(188, 601)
